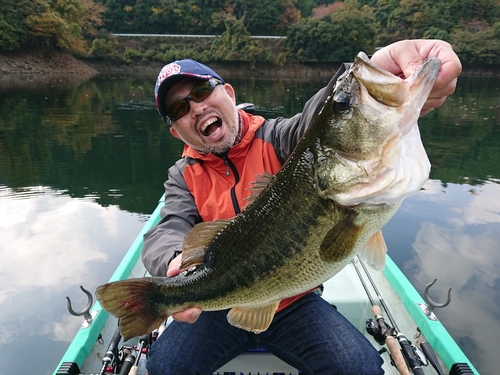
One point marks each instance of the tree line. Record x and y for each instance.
(315, 30)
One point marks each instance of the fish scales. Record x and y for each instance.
(240, 279)
(345, 179)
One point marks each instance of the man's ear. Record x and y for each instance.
(174, 133)
(230, 91)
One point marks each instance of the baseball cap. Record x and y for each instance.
(175, 72)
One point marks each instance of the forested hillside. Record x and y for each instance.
(315, 30)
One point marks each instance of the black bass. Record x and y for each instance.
(360, 157)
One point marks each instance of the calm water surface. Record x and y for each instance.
(82, 164)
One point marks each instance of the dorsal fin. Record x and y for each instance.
(197, 240)
(260, 183)
(374, 251)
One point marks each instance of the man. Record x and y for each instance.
(225, 149)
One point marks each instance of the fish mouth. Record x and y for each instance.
(392, 90)
(381, 85)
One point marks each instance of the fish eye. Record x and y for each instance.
(341, 102)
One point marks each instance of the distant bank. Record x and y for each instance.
(55, 63)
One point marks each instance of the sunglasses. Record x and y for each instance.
(199, 93)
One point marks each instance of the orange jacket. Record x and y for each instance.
(220, 184)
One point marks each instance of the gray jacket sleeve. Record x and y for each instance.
(285, 133)
(164, 241)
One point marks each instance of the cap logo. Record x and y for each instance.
(168, 70)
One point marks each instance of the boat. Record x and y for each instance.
(401, 304)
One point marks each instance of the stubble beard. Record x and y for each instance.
(223, 147)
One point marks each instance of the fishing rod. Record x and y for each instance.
(385, 331)
(112, 351)
(127, 361)
(431, 355)
(404, 343)
(456, 368)
(143, 343)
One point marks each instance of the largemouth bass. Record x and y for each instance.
(359, 158)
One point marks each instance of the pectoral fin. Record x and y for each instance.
(339, 242)
(374, 251)
(252, 319)
(197, 240)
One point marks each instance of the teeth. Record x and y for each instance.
(208, 123)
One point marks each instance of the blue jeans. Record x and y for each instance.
(310, 335)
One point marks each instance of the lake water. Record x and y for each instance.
(82, 163)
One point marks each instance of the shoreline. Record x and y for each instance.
(55, 63)
(61, 64)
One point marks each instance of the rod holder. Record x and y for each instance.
(431, 304)
(86, 311)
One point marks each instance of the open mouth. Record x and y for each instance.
(211, 126)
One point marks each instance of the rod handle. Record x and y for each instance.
(133, 370)
(409, 355)
(397, 357)
(377, 312)
(431, 356)
(127, 364)
(112, 351)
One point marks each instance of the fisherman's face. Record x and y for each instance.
(210, 126)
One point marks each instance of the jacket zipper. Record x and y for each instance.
(230, 166)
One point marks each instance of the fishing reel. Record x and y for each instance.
(379, 334)
(412, 355)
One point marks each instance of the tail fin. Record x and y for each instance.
(132, 302)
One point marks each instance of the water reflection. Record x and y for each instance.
(82, 164)
(461, 137)
(100, 139)
(452, 233)
(51, 244)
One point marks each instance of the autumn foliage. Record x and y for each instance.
(315, 30)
